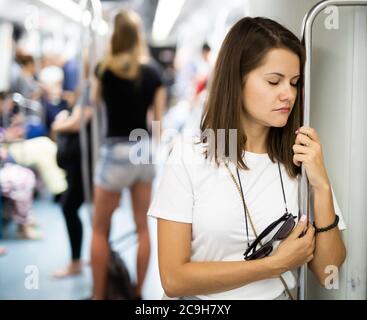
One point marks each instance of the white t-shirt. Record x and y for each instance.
(194, 190)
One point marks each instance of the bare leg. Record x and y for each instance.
(105, 203)
(140, 196)
(71, 202)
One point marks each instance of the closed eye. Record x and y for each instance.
(275, 83)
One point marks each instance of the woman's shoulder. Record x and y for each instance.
(187, 150)
(151, 69)
(150, 65)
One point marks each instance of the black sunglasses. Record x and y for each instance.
(251, 253)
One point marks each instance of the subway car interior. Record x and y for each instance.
(61, 188)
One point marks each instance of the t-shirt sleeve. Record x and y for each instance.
(342, 226)
(174, 197)
(155, 78)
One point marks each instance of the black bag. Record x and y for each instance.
(68, 149)
(119, 285)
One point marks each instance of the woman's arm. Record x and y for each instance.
(330, 249)
(159, 103)
(96, 92)
(182, 277)
(72, 123)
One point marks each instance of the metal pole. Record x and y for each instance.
(307, 24)
(87, 167)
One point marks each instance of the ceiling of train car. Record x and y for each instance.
(198, 18)
(145, 8)
(201, 19)
(197, 21)
(31, 14)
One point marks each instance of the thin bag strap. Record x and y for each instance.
(244, 203)
(281, 180)
(247, 213)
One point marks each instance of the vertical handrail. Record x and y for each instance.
(307, 40)
(96, 9)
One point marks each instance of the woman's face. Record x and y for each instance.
(270, 90)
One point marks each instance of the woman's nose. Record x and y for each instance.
(287, 93)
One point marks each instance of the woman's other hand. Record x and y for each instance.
(296, 249)
(308, 151)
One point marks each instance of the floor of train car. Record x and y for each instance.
(52, 252)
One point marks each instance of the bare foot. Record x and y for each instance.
(2, 251)
(27, 231)
(32, 221)
(72, 269)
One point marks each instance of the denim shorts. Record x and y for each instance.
(122, 164)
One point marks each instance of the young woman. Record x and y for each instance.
(129, 86)
(17, 184)
(69, 158)
(222, 205)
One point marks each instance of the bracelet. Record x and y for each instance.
(329, 227)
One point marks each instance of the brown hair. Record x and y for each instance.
(242, 51)
(24, 60)
(127, 49)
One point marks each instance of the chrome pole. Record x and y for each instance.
(91, 35)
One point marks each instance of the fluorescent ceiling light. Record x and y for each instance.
(165, 17)
(78, 13)
(86, 18)
(103, 28)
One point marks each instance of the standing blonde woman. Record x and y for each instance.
(129, 86)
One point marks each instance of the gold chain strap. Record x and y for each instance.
(252, 225)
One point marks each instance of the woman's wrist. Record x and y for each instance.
(275, 265)
(325, 187)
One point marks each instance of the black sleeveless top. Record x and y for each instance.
(127, 101)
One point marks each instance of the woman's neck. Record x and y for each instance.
(257, 136)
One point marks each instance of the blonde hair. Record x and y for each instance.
(128, 48)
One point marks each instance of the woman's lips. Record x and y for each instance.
(283, 110)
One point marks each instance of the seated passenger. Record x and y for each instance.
(17, 184)
(38, 153)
